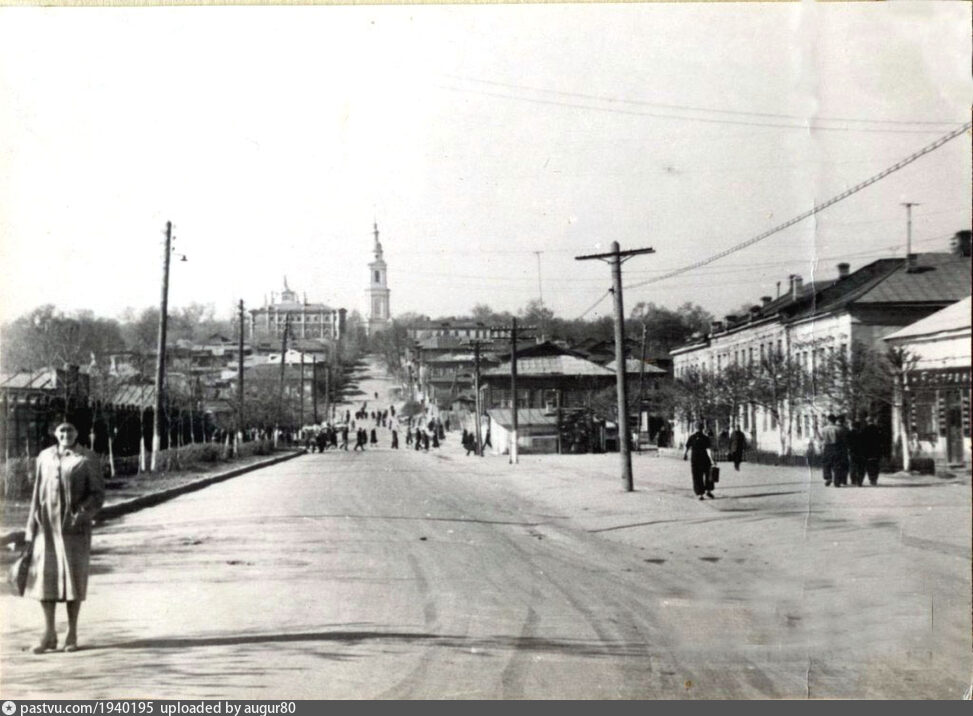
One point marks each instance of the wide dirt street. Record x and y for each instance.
(402, 574)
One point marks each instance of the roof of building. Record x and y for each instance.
(44, 379)
(936, 278)
(951, 318)
(568, 365)
(133, 393)
(525, 417)
(632, 366)
(290, 306)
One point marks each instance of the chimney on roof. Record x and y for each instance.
(715, 326)
(797, 286)
(911, 263)
(729, 318)
(753, 313)
(765, 300)
(960, 243)
(843, 270)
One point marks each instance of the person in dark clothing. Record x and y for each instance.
(700, 447)
(374, 437)
(359, 442)
(856, 458)
(418, 439)
(395, 439)
(871, 448)
(737, 443)
(425, 441)
(408, 435)
(841, 459)
(435, 440)
(320, 440)
(447, 423)
(832, 444)
(486, 442)
(344, 438)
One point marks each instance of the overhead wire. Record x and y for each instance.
(806, 126)
(688, 108)
(814, 210)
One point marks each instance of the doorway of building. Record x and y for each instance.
(954, 427)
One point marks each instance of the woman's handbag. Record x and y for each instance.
(714, 474)
(20, 569)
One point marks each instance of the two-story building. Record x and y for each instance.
(809, 323)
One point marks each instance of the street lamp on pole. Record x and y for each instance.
(160, 368)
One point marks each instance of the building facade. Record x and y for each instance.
(934, 397)
(306, 320)
(806, 327)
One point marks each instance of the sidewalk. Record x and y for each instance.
(139, 492)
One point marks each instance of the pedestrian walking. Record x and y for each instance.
(856, 456)
(320, 440)
(418, 440)
(871, 447)
(408, 435)
(699, 451)
(447, 423)
(344, 438)
(834, 453)
(425, 441)
(435, 440)
(374, 437)
(395, 439)
(737, 443)
(359, 440)
(68, 492)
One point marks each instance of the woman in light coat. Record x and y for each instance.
(68, 492)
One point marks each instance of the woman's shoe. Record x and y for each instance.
(47, 644)
(71, 644)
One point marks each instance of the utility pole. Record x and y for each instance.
(540, 288)
(283, 367)
(301, 398)
(327, 391)
(616, 258)
(160, 368)
(477, 407)
(512, 330)
(641, 385)
(241, 421)
(314, 387)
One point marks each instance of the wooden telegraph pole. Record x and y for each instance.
(283, 368)
(160, 368)
(478, 431)
(301, 398)
(512, 331)
(314, 387)
(241, 420)
(616, 258)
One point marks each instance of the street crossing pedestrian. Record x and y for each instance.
(700, 447)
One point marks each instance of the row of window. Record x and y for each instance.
(807, 359)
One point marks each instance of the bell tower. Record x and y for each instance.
(378, 290)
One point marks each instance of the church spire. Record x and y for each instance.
(378, 244)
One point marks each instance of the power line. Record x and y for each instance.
(594, 305)
(688, 108)
(818, 208)
(704, 120)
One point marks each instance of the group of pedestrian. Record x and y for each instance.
(850, 453)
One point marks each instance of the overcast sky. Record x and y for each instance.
(273, 137)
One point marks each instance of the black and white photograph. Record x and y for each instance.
(580, 351)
